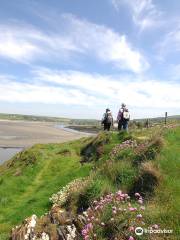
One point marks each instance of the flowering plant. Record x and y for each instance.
(61, 197)
(124, 145)
(114, 216)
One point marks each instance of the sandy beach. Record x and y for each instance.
(25, 134)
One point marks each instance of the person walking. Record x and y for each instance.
(123, 118)
(107, 120)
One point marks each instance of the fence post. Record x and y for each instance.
(165, 120)
(147, 123)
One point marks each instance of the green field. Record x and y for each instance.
(27, 181)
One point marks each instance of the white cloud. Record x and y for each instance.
(105, 44)
(15, 43)
(96, 91)
(171, 41)
(25, 43)
(144, 12)
(140, 92)
(22, 92)
(75, 37)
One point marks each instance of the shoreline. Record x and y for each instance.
(24, 134)
(85, 129)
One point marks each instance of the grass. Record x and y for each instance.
(164, 207)
(32, 177)
(25, 186)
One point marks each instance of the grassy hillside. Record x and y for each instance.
(166, 203)
(27, 182)
(144, 161)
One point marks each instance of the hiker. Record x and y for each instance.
(107, 120)
(123, 118)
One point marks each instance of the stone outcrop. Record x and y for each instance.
(26, 231)
(58, 224)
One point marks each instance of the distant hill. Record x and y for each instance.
(67, 121)
(160, 119)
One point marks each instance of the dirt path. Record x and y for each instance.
(25, 134)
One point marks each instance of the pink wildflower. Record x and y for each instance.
(137, 195)
(131, 209)
(131, 229)
(140, 201)
(155, 226)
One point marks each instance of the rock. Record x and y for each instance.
(61, 233)
(71, 232)
(60, 216)
(79, 222)
(68, 232)
(44, 236)
(45, 229)
(57, 225)
(26, 231)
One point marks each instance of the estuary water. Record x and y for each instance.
(8, 153)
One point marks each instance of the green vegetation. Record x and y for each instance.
(140, 123)
(144, 161)
(30, 178)
(165, 205)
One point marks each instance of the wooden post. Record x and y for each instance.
(147, 123)
(165, 120)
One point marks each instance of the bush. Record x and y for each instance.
(147, 180)
(120, 173)
(88, 194)
(147, 151)
(95, 148)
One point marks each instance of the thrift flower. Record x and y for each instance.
(131, 238)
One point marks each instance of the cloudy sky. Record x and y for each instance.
(75, 58)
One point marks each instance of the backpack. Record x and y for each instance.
(108, 117)
(126, 115)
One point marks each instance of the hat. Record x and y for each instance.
(123, 105)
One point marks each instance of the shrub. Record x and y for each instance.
(120, 173)
(62, 196)
(88, 194)
(95, 148)
(26, 157)
(147, 180)
(147, 151)
(118, 149)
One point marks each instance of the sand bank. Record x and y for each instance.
(25, 134)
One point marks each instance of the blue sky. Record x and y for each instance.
(75, 58)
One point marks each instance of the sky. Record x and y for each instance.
(76, 58)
